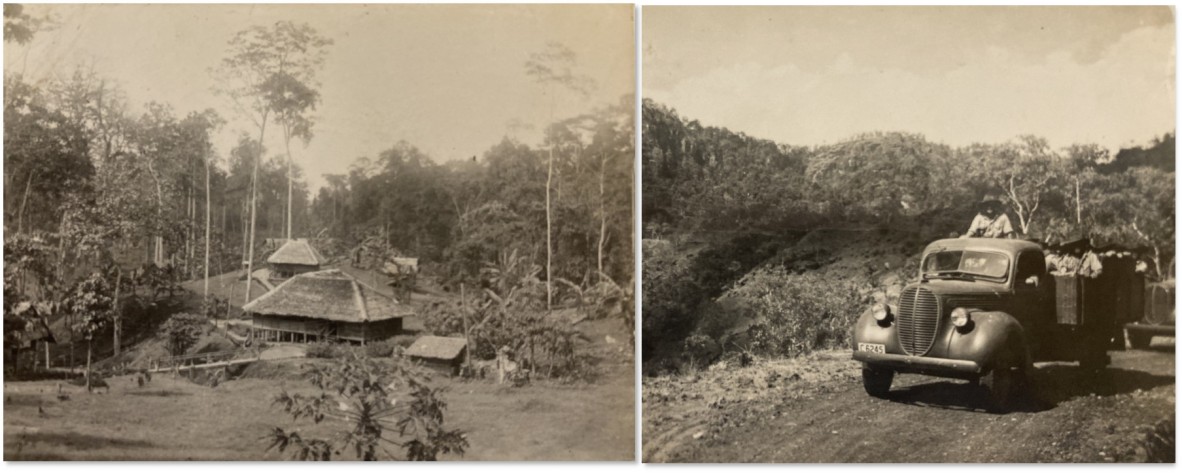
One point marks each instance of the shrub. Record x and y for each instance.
(677, 282)
(323, 350)
(796, 314)
(182, 331)
(404, 341)
(355, 400)
(700, 349)
(380, 349)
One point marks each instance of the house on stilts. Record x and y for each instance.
(327, 305)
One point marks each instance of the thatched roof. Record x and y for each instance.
(328, 295)
(438, 348)
(297, 252)
(36, 331)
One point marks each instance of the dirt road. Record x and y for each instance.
(815, 410)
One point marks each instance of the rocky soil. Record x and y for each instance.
(813, 409)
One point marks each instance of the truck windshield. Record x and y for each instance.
(965, 263)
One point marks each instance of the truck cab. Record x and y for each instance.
(982, 309)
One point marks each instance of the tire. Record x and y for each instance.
(1000, 385)
(877, 381)
(1094, 362)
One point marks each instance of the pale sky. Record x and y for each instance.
(958, 75)
(445, 78)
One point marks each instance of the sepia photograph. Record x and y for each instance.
(908, 234)
(319, 232)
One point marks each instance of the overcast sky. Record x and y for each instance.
(447, 79)
(959, 75)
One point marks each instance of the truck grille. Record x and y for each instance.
(919, 317)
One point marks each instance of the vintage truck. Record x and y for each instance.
(985, 310)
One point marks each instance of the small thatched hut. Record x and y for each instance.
(325, 305)
(295, 257)
(443, 354)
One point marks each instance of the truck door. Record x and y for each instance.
(1032, 293)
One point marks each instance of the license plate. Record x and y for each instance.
(872, 347)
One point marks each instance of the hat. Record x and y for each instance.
(990, 200)
(1108, 246)
(1075, 241)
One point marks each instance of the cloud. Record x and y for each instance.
(1125, 96)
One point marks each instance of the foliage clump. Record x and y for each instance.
(376, 405)
(509, 316)
(181, 331)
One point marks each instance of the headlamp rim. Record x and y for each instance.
(961, 317)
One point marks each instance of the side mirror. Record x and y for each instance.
(1032, 281)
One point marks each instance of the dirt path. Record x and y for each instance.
(814, 410)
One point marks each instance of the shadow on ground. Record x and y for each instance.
(1046, 387)
(76, 441)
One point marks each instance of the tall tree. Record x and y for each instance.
(292, 99)
(45, 156)
(196, 130)
(554, 67)
(259, 73)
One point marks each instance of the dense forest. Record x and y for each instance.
(463, 214)
(103, 195)
(737, 200)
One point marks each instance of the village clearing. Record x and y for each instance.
(176, 419)
(173, 418)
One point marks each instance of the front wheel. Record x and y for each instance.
(1094, 362)
(1000, 385)
(877, 381)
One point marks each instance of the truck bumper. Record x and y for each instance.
(1164, 330)
(921, 365)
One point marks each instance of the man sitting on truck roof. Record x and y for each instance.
(991, 221)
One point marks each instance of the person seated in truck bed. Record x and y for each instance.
(1054, 252)
(1077, 258)
(991, 221)
(1144, 265)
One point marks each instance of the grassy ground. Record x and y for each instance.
(173, 418)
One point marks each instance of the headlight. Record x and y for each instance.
(881, 312)
(960, 317)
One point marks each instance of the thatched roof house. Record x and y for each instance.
(295, 257)
(441, 353)
(326, 305)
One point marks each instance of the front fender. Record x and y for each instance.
(990, 334)
(869, 330)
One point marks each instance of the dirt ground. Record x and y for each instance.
(814, 410)
(172, 418)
